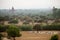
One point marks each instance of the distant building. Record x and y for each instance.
(12, 9)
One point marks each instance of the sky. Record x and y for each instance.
(29, 4)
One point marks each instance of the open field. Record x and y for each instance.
(42, 35)
(30, 35)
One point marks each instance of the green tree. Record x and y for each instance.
(1, 36)
(2, 20)
(58, 13)
(13, 32)
(54, 37)
(37, 27)
(26, 28)
(2, 29)
(15, 21)
(54, 12)
(51, 27)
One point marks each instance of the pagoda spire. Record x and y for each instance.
(12, 8)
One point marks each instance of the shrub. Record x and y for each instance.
(26, 28)
(1, 36)
(37, 27)
(54, 37)
(13, 21)
(51, 27)
(2, 28)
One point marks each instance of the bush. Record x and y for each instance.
(1, 36)
(14, 21)
(2, 28)
(37, 27)
(51, 27)
(26, 28)
(54, 37)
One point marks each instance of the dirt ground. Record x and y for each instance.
(42, 35)
(30, 35)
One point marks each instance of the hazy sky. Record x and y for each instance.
(29, 4)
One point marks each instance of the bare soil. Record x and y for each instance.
(42, 35)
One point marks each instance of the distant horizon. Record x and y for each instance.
(27, 9)
(30, 8)
(29, 4)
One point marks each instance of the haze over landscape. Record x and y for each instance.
(29, 19)
(29, 4)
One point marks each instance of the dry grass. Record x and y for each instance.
(26, 35)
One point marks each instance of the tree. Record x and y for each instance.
(2, 28)
(26, 28)
(37, 27)
(58, 13)
(1, 20)
(54, 37)
(51, 27)
(15, 21)
(54, 12)
(1, 36)
(13, 32)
